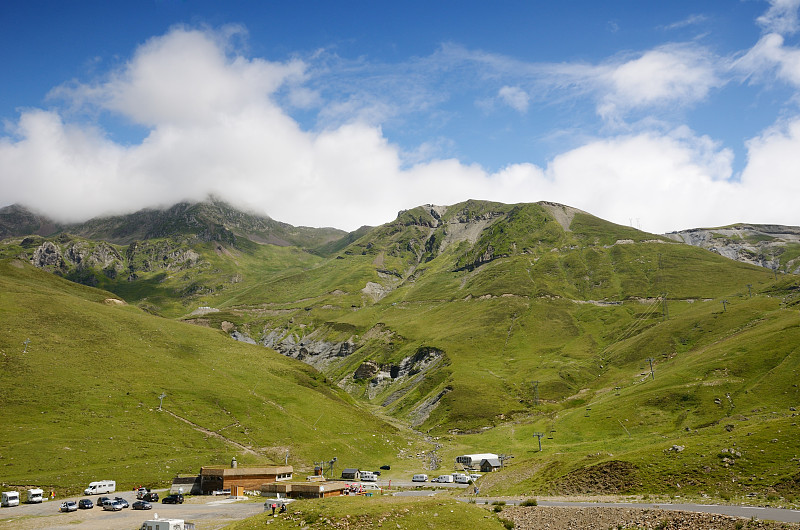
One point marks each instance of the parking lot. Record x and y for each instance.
(204, 512)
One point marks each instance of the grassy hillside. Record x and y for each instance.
(80, 401)
(544, 304)
(479, 324)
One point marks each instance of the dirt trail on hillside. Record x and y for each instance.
(208, 432)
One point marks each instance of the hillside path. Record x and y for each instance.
(208, 432)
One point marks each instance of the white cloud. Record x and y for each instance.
(514, 97)
(214, 127)
(186, 78)
(771, 175)
(669, 75)
(781, 17)
(691, 20)
(771, 57)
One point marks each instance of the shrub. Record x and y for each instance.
(529, 502)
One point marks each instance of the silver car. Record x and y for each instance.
(112, 506)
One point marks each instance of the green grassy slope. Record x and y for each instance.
(509, 295)
(81, 402)
(544, 304)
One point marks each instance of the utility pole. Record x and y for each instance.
(652, 373)
(724, 305)
(666, 307)
(536, 393)
(26, 342)
(161, 399)
(750, 290)
(539, 436)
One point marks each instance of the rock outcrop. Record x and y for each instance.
(762, 245)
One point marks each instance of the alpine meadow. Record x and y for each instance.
(639, 364)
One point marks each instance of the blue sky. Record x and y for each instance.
(663, 115)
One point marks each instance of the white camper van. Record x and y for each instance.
(461, 478)
(101, 486)
(444, 478)
(166, 524)
(368, 476)
(421, 477)
(34, 495)
(10, 498)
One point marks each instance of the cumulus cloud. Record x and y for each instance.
(215, 123)
(668, 75)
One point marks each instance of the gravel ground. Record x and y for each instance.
(208, 513)
(597, 518)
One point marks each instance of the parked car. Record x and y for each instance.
(142, 505)
(376, 473)
(151, 496)
(175, 498)
(386, 468)
(122, 501)
(68, 506)
(141, 492)
(101, 500)
(85, 504)
(474, 476)
(112, 506)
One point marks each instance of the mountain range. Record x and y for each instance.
(485, 325)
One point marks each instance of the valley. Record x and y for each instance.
(641, 364)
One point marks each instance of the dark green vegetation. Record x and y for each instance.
(484, 323)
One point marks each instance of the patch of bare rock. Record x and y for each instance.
(601, 518)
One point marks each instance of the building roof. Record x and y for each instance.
(494, 462)
(349, 470)
(479, 456)
(244, 471)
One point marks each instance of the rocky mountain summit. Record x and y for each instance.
(775, 247)
(209, 220)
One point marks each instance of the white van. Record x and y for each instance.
(368, 476)
(166, 524)
(460, 478)
(101, 486)
(10, 498)
(34, 495)
(422, 477)
(444, 478)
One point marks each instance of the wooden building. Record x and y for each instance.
(217, 478)
(490, 464)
